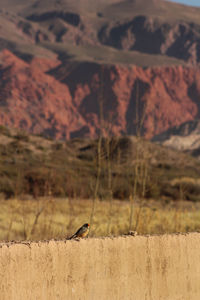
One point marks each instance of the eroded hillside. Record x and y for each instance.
(153, 27)
(63, 100)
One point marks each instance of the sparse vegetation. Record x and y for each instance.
(43, 169)
(47, 218)
(35, 165)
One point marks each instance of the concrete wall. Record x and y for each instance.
(138, 268)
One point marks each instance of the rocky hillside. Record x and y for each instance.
(67, 100)
(117, 67)
(153, 27)
(149, 35)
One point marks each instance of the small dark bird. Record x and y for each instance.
(82, 232)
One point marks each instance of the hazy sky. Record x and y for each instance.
(188, 2)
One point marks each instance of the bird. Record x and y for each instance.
(82, 232)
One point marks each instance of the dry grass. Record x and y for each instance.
(61, 217)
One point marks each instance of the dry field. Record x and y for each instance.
(48, 218)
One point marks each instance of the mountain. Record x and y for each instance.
(149, 27)
(75, 69)
(67, 100)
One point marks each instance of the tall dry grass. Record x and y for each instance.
(59, 218)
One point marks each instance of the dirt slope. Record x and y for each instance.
(155, 267)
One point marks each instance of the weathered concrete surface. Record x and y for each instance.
(138, 268)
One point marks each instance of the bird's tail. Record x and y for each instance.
(72, 237)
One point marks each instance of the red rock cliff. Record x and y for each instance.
(68, 100)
